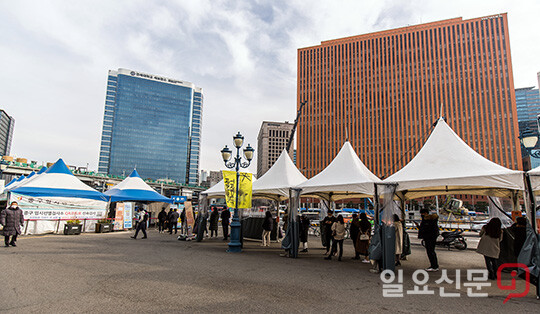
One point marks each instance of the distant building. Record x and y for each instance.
(214, 177)
(204, 176)
(382, 92)
(7, 124)
(272, 140)
(152, 123)
(528, 109)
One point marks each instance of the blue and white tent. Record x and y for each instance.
(17, 183)
(11, 182)
(57, 181)
(133, 188)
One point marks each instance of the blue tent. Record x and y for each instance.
(11, 182)
(58, 181)
(133, 188)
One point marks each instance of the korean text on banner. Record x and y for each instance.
(244, 189)
(119, 217)
(128, 215)
(190, 220)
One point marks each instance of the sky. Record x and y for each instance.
(55, 55)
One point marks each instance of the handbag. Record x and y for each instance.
(364, 236)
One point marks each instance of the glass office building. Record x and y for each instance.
(528, 109)
(151, 123)
(7, 124)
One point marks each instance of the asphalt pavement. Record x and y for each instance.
(95, 273)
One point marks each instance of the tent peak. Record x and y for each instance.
(134, 174)
(59, 167)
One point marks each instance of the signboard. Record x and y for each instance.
(128, 215)
(244, 189)
(53, 208)
(190, 219)
(178, 199)
(119, 217)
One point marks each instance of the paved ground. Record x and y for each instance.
(113, 273)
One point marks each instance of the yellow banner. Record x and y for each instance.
(244, 189)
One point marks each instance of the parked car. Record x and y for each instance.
(477, 225)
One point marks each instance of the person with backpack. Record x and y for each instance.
(173, 221)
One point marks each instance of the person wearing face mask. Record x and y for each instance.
(12, 219)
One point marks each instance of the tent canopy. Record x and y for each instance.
(17, 182)
(133, 188)
(277, 181)
(58, 181)
(345, 177)
(218, 190)
(11, 182)
(447, 165)
(534, 176)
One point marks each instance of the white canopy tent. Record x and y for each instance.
(345, 177)
(534, 176)
(447, 165)
(277, 181)
(218, 190)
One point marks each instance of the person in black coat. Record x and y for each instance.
(327, 223)
(183, 222)
(354, 232)
(225, 217)
(304, 229)
(268, 225)
(429, 231)
(12, 218)
(520, 234)
(214, 220)
(162, 217)
(173, 221)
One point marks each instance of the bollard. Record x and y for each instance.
(84, 225)
(26, 227)
(58, 225)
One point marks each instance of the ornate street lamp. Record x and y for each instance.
(528, 139)
(235, 246)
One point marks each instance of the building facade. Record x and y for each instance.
(383, 91)
(7, 125)
(528, 109)
(151, 123)
(271, 141)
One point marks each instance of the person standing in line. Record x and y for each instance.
(327, 223)
(141, 226)
(12, 218)
(364, 235)
(169, 225)
(520, 234)
(267, 226)
(225, 217)
(429, 231)
(214, 219)
(183, 222)
(162, 217)
(354, 232)
(173, 221)
(399, 239)
(491, 236)
(304, 229)
(338, 235)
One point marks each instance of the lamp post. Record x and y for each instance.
(237, 163)
(528, 140)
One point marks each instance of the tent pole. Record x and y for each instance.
(531, 203)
